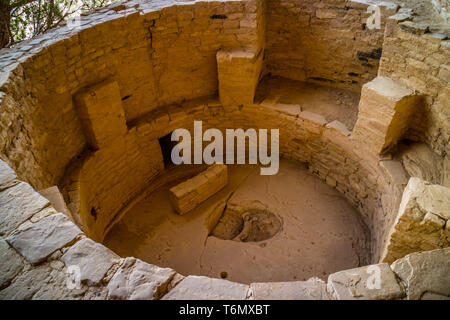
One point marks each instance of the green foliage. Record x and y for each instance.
(32, 17)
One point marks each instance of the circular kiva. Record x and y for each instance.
(87, 109)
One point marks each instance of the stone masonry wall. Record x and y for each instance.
(421, 60)
(324, 41)
(159, 52)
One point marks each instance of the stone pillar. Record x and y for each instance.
(101, 113)
(239, 72)
(385, 109)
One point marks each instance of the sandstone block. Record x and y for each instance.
(311, 121)
(312, 289)
(420, 222)
(339, 127)
(56, 199)
(137, 280)
(93, 259)
(18, 204)
(7, 176)
(10, 264)
(189, 194)
(326, 13)
(238, 73)
(36, 241)
(384, 115)
(421, 162)
(395, 171)
(424, 272)
(361, 284)
(204, 288)
(41, 283)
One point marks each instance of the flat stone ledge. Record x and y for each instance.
(93, 259)
(424, 272)
(339, 127)
(204, 288)
(18, 204)
(137, 280)
(312, 289)
(289, 109)
(362, 284)
(36, 241)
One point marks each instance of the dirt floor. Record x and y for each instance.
(332, 103)
(310, 229)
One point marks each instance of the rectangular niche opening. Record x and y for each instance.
(167, 145)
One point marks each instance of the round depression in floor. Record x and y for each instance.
(285, 227)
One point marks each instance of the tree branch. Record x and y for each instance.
(20, 3)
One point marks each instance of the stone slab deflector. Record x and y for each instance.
(190, 193)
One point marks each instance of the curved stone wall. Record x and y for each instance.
(152, 60)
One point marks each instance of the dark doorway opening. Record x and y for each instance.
(166, 148)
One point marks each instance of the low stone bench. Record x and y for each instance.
(190, 193)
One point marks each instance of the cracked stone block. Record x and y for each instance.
(424, 272)
(420, 223)
(93, 259)
(7, 176)
(10, 264)
(36, 241)
(27, 284)
(41, 283)
(384, 112)
(204, 288)
(138, 280)
(374, 282)
(312, 289)
(18, 204)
